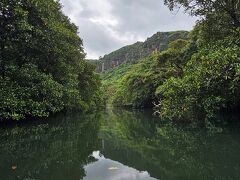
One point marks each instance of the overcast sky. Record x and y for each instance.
(106, 25)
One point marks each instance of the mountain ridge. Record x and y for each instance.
(138, 50)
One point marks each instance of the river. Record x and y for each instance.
(117, 145)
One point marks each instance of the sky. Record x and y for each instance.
(107, 25)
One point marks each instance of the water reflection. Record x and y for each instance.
(57, 149)
(107, 169)
(169, 152)
(116, 144)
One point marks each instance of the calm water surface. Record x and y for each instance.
(117, 145)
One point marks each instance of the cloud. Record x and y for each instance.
(107, 25)
(101, 170)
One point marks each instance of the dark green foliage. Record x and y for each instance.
(138, 85)
(210, 83)
(192, 80)
(207, 8)
(136, 88)
(220, 19)
(185, 85)
(41, 61)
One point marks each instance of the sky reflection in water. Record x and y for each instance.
(107, 169)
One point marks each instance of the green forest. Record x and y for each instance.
(192, 79)
(183, 76)
(162, 103)
(42, 64)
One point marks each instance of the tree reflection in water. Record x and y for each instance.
(133, 144)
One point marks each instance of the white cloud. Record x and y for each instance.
(107, 25)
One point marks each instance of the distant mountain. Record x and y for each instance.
(133, 53)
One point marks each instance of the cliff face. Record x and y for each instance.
(139, 50)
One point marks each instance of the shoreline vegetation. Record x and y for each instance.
(184, 76)
(42, 64)
(192, 79)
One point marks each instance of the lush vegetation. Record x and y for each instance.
(135, 85)
(184, 76)
(133, 53)
(194, 79)
(42, 67)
